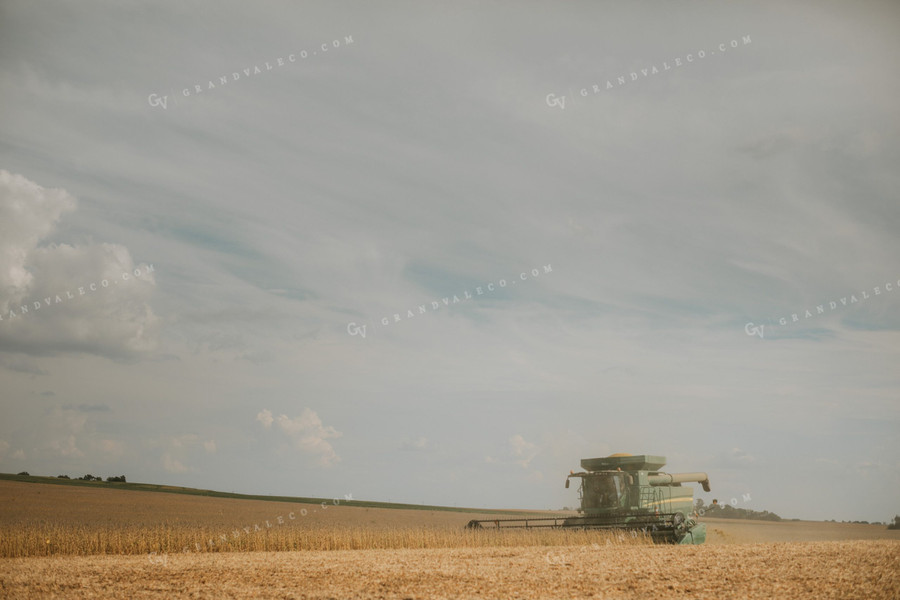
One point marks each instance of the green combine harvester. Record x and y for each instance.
(626, 492)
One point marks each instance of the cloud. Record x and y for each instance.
(535, 477)
(770, 144)
(28, 214)
(66, 447)
(265, 417)
(111, 447)
(177, 449)
(52, 297)
(17, 366)
(867, 468)
(70, 431)
(522, 450)
(4, 448)
(173, 465)
(63, 428)
(307, 434)
(419, 443)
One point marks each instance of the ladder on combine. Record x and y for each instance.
(652, 499)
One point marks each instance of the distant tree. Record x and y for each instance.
(727, 511)
(120, 479)
(895, 524)
(62, 476)
(90, 477)
(25, 473)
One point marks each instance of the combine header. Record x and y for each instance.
(627, 492)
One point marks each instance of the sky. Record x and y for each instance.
(439, 253)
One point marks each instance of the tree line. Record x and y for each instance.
(88, 477)
(727, 511)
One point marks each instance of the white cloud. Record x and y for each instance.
(307, 433)
(177, 450)
(867, 468)
(742, 457)
(173, 465)
(113, 448)
(70, 431)
(52, 297)
(62, 429)
(265, 417)
(522, 450)
(28, 214)
(4, 447)
(419, 443)
(182, 440)
(19, 454)
(66, 447)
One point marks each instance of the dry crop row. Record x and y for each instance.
(53, 539)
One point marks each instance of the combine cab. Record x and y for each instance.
(628, 492)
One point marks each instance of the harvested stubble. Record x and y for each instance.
(867, 570)
(53, 539)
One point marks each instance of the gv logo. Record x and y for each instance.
(751, 330)
(354, 329)
(155, 100)
(552, 101)
(161, 559)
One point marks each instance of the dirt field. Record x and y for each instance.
(743, 559)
